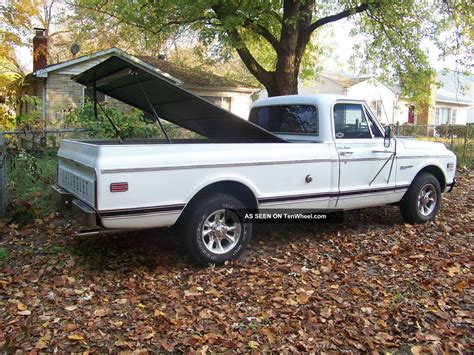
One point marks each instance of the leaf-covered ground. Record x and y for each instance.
(372, 283)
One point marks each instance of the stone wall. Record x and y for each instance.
(65, 95)
(62, 96)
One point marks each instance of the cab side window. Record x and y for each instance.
(350, 121)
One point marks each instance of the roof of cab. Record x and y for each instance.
(316, 99)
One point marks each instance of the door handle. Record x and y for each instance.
(347, 152)
(382, 151)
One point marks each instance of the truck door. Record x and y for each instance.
(366, 168)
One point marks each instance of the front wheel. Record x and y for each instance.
(214, 230)
(422, 200)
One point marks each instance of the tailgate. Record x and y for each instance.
(76, 172)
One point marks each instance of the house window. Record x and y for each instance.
(221, 101)
(445, 115)
(89, 95)
(376, 107)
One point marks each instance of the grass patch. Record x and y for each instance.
(4, 254)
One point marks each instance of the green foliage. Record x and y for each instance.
(131, 124)
(4, 254)
(269, 35)
(28, 179)
(458, 131)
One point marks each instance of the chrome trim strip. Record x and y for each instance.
(142, 215)
(365, 159)
(422, 156)
(218, 165)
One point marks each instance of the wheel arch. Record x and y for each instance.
(234, 188)
(436, 171)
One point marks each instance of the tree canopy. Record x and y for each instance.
(275, 38)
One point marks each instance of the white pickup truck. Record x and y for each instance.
(317, 152)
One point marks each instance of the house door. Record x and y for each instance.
(411, 114)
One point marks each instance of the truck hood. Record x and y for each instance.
(138, 84)
(415, 144)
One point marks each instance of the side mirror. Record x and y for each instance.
(387, 137)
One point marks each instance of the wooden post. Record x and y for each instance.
(3, 183)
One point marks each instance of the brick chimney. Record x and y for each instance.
(40, 49)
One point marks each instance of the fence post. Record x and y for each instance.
(3, 187)
(466, 136)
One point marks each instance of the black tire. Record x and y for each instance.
(197, 233)
(412, 205)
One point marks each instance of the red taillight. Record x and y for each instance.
(119, 187)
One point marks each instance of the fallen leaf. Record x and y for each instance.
(43, 342)
(24, 313)
(101, 312)
(452, 271)
(253, 344)
(70, 308)
(21, 306)
(158, 313)
(395, 249)
(302, 298)
(75, 337)
(461, 285)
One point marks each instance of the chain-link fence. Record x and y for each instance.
(458, 138)
(27, 168)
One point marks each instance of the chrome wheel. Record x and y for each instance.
(427, 199)
(221, 231)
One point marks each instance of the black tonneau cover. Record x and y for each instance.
(123, 79)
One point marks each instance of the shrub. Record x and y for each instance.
(131, 124)
(459, 131)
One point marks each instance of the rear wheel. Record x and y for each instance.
(214, 230)
(422, 200)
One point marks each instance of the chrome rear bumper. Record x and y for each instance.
(66, 204)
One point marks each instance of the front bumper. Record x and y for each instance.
(450, 186)
(67, 204)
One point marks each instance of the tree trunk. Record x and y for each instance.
(284, 83)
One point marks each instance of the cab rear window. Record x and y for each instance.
(287, 119)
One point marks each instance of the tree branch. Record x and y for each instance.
(265, 33)
(263, 75)
(343, 14)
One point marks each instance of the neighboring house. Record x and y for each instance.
(59, 94)
(454, 100)
(452, 103)
(382, 99)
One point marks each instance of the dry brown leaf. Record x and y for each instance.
(101, 312)
(253, 344)
(75, 337)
